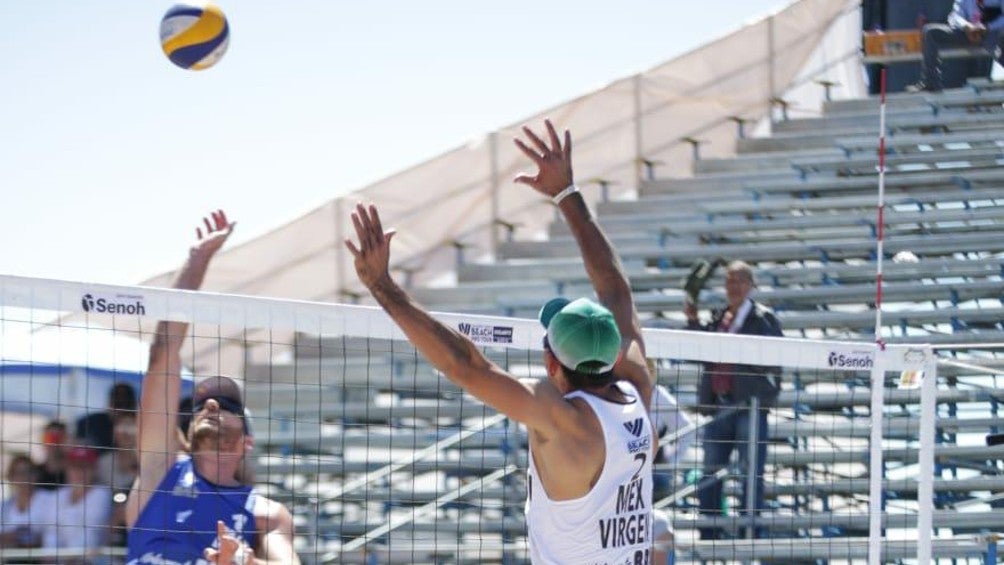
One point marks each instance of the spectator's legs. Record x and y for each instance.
(742, 444)
(936, 38)
(719, 439)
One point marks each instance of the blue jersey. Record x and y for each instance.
(179, 520)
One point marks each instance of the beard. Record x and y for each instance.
(207, 437)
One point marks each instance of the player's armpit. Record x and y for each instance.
(536, 404)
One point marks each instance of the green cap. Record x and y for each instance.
(582, 334)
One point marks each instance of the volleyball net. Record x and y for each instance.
(383, 460)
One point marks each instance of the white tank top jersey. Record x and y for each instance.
(612, 524)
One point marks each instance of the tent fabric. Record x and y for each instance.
(66, 371)
(459, 196)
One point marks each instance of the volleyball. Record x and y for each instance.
(194, 36)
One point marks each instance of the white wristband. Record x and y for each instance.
(557, 198)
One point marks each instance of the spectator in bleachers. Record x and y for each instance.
(970, 23)
(26, 511)
(51, 472)
(179, 504)
(589, 485)
(97, 429)
(117, 470)
(726, 390)
(82, 508)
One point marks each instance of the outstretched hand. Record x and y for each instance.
(554, 162)
(372, 256)
(217, 229)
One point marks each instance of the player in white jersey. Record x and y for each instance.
(591, 440)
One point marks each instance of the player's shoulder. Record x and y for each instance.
(268, 509)
(768, 318)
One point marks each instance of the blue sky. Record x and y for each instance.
(110, 155)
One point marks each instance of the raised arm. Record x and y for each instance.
(555, 180)
(157, 438)
(540, 407)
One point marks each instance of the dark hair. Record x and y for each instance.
(122, 396)
(579, 379)
(588, 380)
(56, 425)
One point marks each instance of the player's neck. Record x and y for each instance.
(22, 498)
(217, 469)
(78, 492)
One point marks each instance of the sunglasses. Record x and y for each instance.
(225, 404)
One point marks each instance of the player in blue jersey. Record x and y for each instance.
(191, 510)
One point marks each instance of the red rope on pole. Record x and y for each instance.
(880, 228)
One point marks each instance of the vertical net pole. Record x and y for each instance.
(880, 226)
(876, 461)
(925, 479)
(753, 445)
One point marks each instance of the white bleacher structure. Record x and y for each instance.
(800, 207)
(383, 461)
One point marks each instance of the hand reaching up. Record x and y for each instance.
(217, 229)
(372, 256)
(554, 162)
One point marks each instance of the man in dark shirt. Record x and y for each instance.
(726, 391)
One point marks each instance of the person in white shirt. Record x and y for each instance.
(82, 509)
(27, 510)
(589, 486)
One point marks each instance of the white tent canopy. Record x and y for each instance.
(66, 371)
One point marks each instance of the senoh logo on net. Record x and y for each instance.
(851, 359)
(118, 304)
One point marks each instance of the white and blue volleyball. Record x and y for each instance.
(194, 35)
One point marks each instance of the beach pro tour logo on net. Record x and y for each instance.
(851, 359)
(128, 304)
(486, 333)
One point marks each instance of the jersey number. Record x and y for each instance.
(642, 456)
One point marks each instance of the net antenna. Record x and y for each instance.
(878, 375)
(880, 239)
